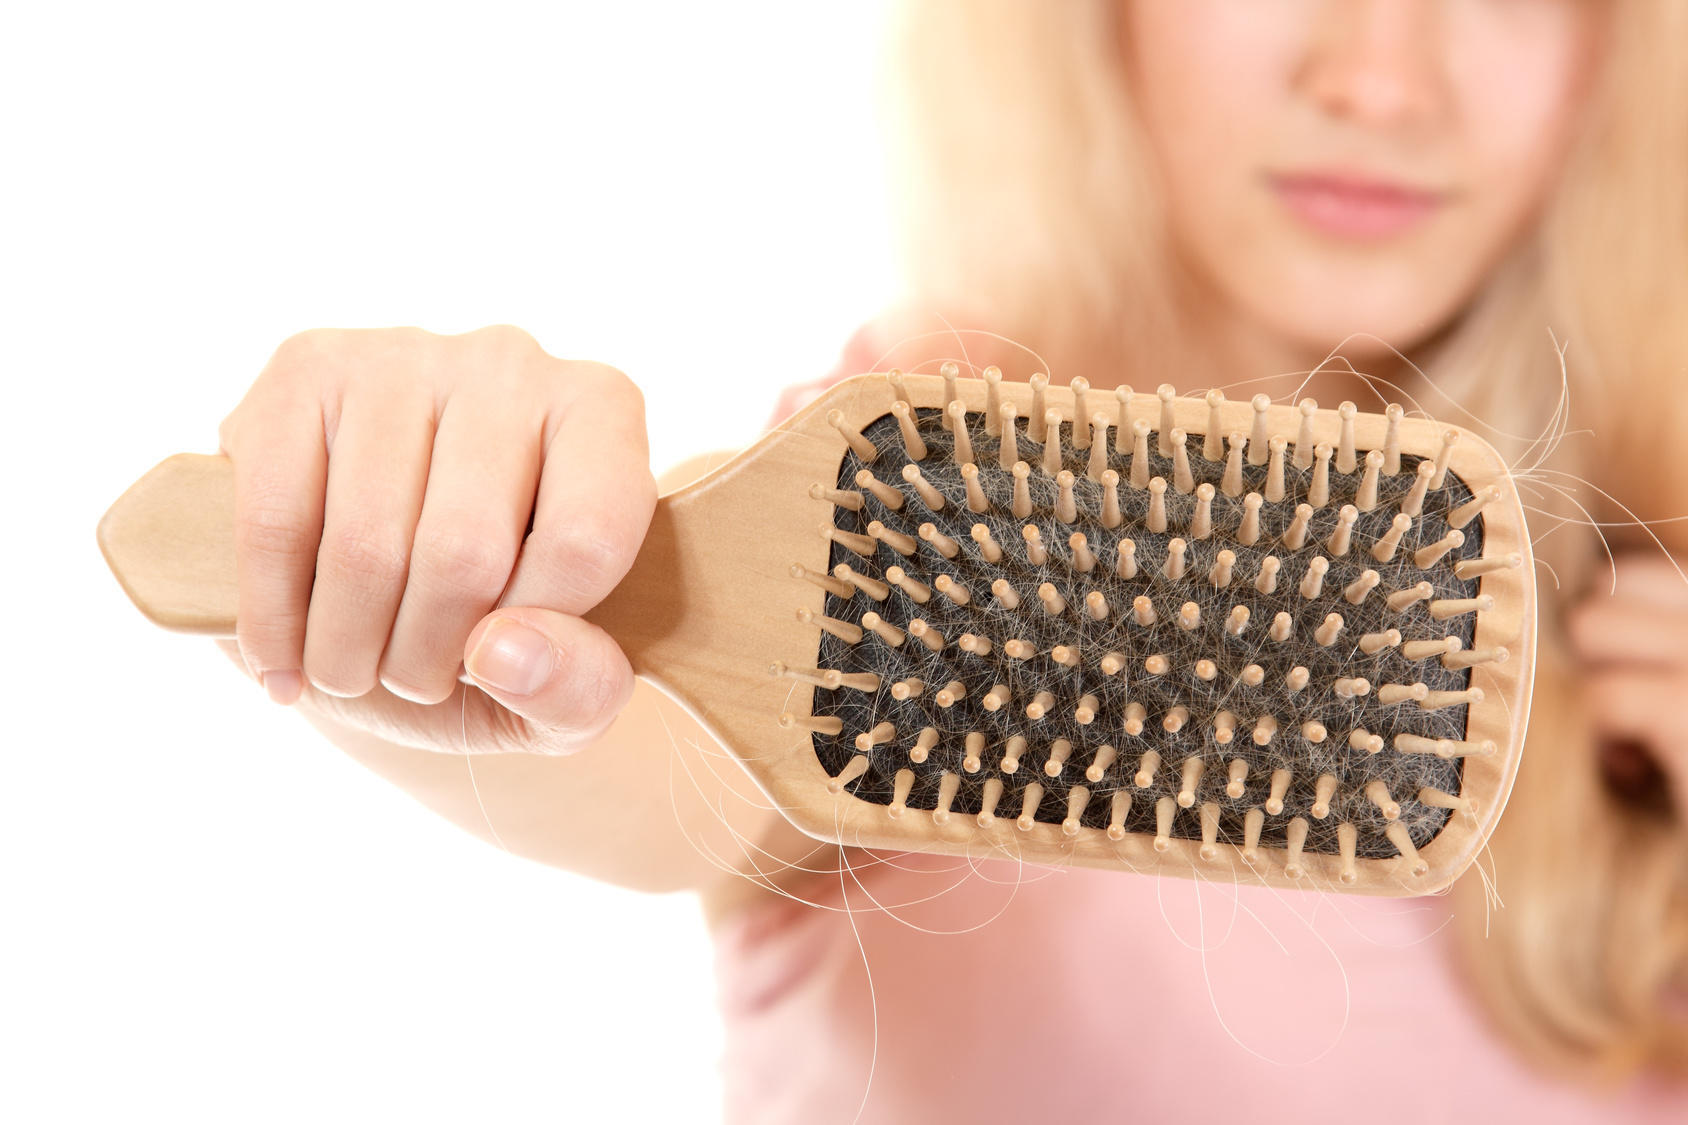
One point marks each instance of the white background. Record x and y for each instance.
(206, 913)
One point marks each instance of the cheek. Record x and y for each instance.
(1211, 83)
(1214, 64)
(1518, 91)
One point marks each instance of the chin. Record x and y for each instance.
(1360, 338)
(1364, 314)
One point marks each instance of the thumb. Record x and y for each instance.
(561, 674)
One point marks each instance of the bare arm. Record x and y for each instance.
(653, 803)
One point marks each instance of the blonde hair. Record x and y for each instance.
(1028, 201)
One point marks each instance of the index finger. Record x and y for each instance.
(595, 499)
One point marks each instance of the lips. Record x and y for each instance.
(1353, 207)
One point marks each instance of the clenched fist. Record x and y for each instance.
(411, 506)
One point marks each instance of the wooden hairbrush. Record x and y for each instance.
(1186, 636)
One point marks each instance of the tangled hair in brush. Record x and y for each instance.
(1029, 201)
(992, 694)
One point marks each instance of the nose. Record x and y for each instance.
(1375, 62)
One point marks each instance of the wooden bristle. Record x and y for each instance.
(1237, 634)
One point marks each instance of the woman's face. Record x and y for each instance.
(1342, 166)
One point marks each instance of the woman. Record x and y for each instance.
(1215, 192)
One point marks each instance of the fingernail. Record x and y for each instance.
(512, 658)
(284, 687)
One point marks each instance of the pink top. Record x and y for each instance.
(928, 989)
(1002, 993)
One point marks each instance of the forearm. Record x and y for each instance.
(653, 805)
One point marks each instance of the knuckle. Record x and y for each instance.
(271, 641)
(389, 350)
(598, 693)
(297, 371)
(270, 530)
(465, 561)
(507, 362)
(590, 554)
(602, 380)
(505, 340)
(364, 554)
(343, 349)
(411, 334)
(303, 348)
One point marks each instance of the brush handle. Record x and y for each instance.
(170, 541)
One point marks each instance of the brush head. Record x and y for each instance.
(1186, 635)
